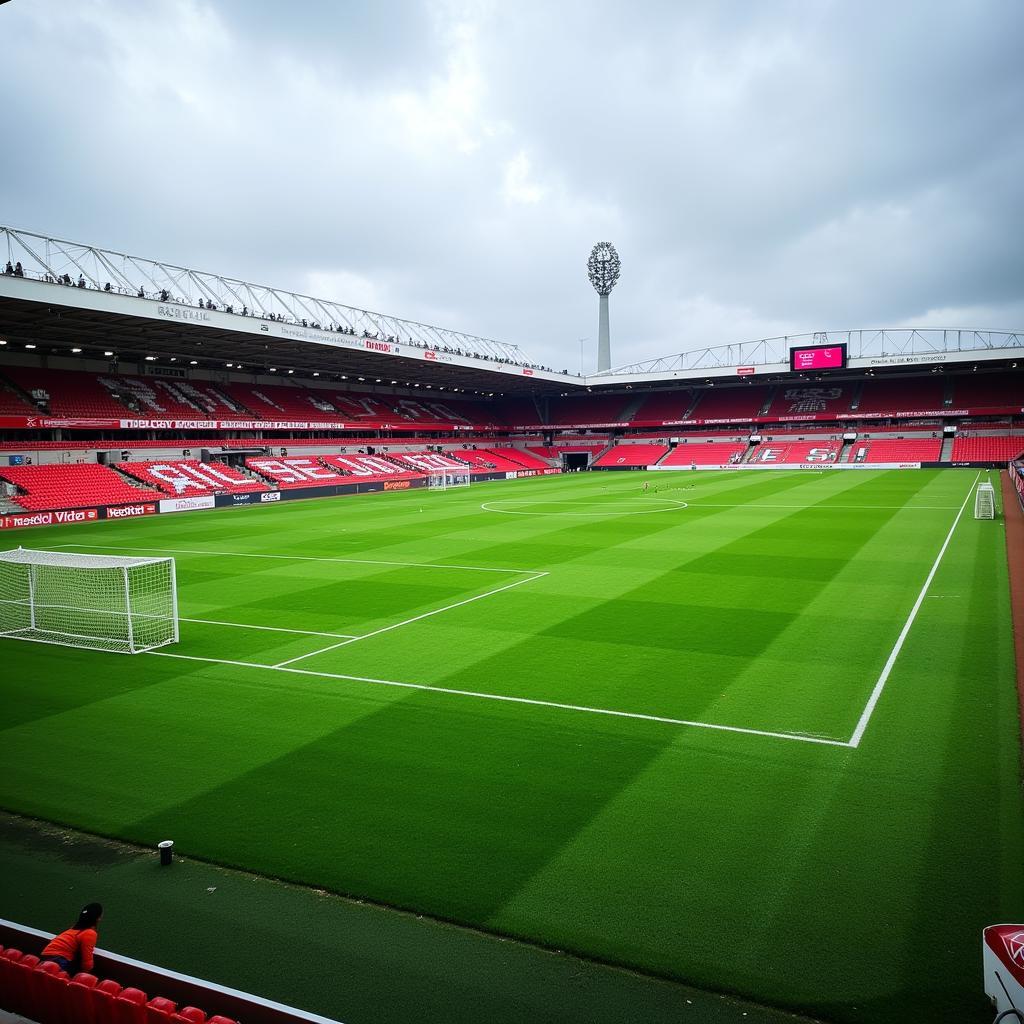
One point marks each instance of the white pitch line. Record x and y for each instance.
(876, 693)
(415, 618)
(828, 508)
(269, 629)
(581, 708)
(290, 558)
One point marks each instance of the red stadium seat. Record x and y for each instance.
(22, 969)
(103, 996)
(159, 1010)
(188, 1015)
(48, 993)
(7, 974)
(79, 998)
(130, 1007)
(218, 1019)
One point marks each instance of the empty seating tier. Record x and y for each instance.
(810, 401)
(72, 486)
(912, 449)
(978, 448)
(896, 397)
(706, 453)
(593, 409)
(630, 455)
(731, 404)
(286, 474)
(369, 468)
(68, 393)
(187, 477)
(795, 452)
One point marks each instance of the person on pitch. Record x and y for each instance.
(72, 949)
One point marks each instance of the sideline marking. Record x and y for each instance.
(876, 693)
(415, 618)
(672, 506)
(827, 508)
(296, 558)
(582, 708)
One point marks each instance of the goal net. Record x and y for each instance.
(104, 603)
(985, 502)
(441, 480)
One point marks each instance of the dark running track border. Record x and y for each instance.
(1013, 514)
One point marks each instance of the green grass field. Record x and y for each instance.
(652, 728)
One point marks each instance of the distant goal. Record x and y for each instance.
(985, 502)
(103, 603)
(443, 480)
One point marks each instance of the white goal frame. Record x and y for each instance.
(444, 479)
(985, 501)
(98, 602)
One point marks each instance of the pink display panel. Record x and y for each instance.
(818, 357)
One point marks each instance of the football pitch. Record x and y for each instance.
(753, 731)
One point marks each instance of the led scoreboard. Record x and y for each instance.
(818, 357)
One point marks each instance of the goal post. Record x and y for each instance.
(99, 602)
(985, 501)
(443, 479)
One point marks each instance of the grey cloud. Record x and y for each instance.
(760, 167)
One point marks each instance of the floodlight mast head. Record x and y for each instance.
(603, 269)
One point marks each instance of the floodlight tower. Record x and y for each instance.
(603, 268)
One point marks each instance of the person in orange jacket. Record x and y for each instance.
(72, 949)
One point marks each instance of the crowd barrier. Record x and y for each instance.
(44, 993)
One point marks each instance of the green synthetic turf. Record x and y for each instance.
(850, 883)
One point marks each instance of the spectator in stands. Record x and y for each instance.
(9, 269)
(81, 281)
(19, 270)
(72, 949)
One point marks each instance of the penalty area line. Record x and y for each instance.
(876, 693)
(505, 698)
(415, 618)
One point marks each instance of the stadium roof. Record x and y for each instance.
(143, 308)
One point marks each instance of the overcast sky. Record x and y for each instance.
(762, 167)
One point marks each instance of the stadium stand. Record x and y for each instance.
(425, 462)
(518, 411)
(183, 477)
(664, 406)
(704, 453)
(543, 452)
(286, 474)
(369, 468)
(798, 453)
(280, 402)
(525, 459)
(741, 404)
(486, 460)
(12, 404)
(71, 486)
(592, 409)
(898, 397)
(67, 393)
(912, 449)
(981, 393)
(982, 448)
(810, 401)
(629, 455)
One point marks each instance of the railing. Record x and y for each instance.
(861, 344)
(73, 264)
